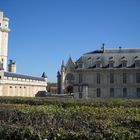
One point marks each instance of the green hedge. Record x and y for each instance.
(71, 102)
(54, 119)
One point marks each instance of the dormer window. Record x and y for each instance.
(137, 64)
(124, 64)
(137, 61)
(89, 58)
(98, 62)
(98, 65)
(80, 65)
(111, 64)
(89, 62)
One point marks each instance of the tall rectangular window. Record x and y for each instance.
(124, 78)
(137, 77)
(138, 92)
(80, 78)
(98, 78)
(111, 78)
(111, 92)
(98, 92)
(124, 92)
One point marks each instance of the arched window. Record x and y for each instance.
(69, 89)
(70, 77)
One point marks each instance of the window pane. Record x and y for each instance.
(124, 92)
(138, 77)
(124, 64)
(98, 92)
(80, 78)
(111, 65)
(138, 92)
(80, 65)
(98, 65)
(98, 78)
(137, 64)
(111, 92)
(124, 78)
(111, 77)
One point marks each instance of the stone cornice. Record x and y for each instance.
(4, 29)
(6, 19)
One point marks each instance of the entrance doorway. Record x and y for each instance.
(69, 89)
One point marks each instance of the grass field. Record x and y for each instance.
(68, 119)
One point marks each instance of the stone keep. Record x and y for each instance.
(4, 30)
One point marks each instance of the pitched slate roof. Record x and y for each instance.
(15, 75)
(122, 50)
(116, 55)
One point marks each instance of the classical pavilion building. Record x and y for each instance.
(103, 73)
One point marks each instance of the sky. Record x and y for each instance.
(45, 32)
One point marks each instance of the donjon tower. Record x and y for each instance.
(4, 30)
(12, 83)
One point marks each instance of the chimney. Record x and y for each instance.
(103, 47)
(120, 48)
(12, 66)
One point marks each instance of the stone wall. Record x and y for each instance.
(90, 79)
